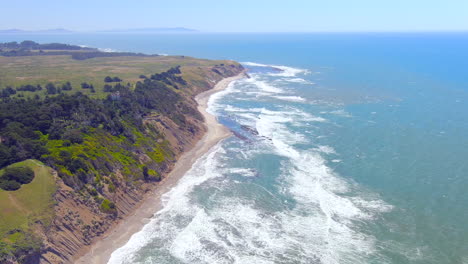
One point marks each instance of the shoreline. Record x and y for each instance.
(100, 251)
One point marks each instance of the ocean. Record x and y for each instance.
(348, 148)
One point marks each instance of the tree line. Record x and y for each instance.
(26, 125)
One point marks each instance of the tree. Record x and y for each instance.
(65, 155)
(67, 86)
(51, 89)
(74, 136)
(13, 178)
(10, 185)
(108, 79)
(5, 157)
(107, 88)
(22, 175)
(77, 164)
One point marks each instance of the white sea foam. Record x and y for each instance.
(290, 98)
(341, 112)
(288, 71)
(211, 218)
(242, 171)
(263, 85)
(326, 149)
(109, 50)
(259, 88)
(290, 114)
(329, 221)
(254, 64)
(285, 71)
(213, 105)
(175, 203)
(296, 80)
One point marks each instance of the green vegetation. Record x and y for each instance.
(101, 134)
(31, 72)
(151, 175)
(86, 139)
(12, 178)
(30, 48)
(108, 207)
(22, 208)
(110, 79)
(87, 132)
(29, 126)
(28, 45)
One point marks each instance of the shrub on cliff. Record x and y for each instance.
(12, 178)
(151, 175)
(108, 207)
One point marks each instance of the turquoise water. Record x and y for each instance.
(351, 148)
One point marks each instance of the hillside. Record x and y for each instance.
(110, 127)
(22, 209)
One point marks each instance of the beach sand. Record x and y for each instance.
(101, 251)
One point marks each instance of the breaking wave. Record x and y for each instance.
(271, 199)
(283, 71)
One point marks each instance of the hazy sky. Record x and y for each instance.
(238, 15)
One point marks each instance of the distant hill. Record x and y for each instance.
(29, 48)
(151, 30)
(12, 31)
(131, 30)
(45, 31)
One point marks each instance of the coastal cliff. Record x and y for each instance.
(106, 150)
(79, 220)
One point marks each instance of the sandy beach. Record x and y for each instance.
(101, 251)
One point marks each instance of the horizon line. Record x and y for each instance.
(184, 30)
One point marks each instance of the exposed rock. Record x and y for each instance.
(78, 220)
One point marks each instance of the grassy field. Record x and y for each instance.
(31, 203)
(16, 71)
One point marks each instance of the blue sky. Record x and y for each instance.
(239, 15)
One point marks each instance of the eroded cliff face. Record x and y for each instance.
(81, 219)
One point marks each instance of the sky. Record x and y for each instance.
(238, 15)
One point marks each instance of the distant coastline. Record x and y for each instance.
(125, 31)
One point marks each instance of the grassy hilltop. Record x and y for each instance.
(59, 69)
(98, 130)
